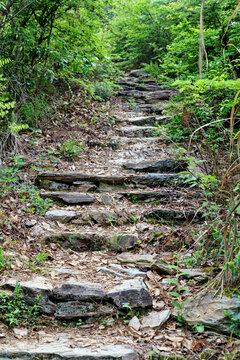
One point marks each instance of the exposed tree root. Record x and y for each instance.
(10, 142)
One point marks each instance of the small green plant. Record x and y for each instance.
(129, 314)
(180, 289)
(5, 261)
(70, 149)
(132, 104)
(35, 262)
(134, 219)
(234, 322)
(14, 311)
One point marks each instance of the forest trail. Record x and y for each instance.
(111, 233)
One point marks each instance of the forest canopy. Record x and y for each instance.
(44, 41)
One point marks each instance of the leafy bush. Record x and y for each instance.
(14, 311)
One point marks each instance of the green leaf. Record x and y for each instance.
(176, 304)
(199, 328)
(175, 294)
(172, 281)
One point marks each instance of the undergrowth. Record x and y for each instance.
(14, 310)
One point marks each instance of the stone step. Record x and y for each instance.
(100, 216)
(149, 108)
(69, 198)
(92, 241)
(173, 216)
(149, 120)
(159, 166)
(149, 96)
(136, 131)
(29, 351)
(44, 180)
(74, 299)
(150, 196)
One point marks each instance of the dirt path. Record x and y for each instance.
(110, 235)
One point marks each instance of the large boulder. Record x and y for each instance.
(210, 311)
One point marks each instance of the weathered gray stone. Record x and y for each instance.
(135, 323)
(70, 198)
(31, 223)
(110, 271)
(37, 230)
(122, 272)
(54, 186)
(137, 131)
(138, 73)
(143, 120)
(47, 351)
(163, 94)
(146, 179)
(209, 311)
(149, 120)
(172, 215)
(148, 196)
(159, 166)
(149, 108)
(77, 292)
(94, 241)
(124, 242)
(131, 292)
(199, 275)
(83, 186)
(155, 319)
(73, 310)
(106, 199)
(103, 216)
(79, 241)
(63, 216)
(152, 262)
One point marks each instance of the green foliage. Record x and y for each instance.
(5, 104)
(165, 34)
(70, 149)
(27, 193)
(14, 311)
(234, 322)
(36, 261)
(5, 261)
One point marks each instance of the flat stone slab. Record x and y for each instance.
(73, 310)
(136, 131)
(47, 351)
(119, 271)
(155, 319)
(70, 198)
(149, 120)
(78, 292)
(209, 311)
(93, 241)
(152, 262)
(172, 215)
(147, 196)
(163, 94)
(159, 166)
(103, 217)
(142, 120)
(131, 293)
(147, 179)
(63, 216)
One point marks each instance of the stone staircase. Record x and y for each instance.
(128, 191)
